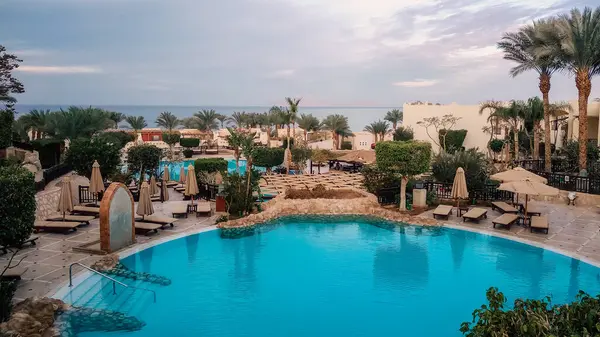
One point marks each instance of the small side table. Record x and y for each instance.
(462, 209)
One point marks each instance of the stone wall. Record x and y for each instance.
(280, 206)
(583, 199)
(46, 203)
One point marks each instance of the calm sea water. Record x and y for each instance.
(357, 117)
(310, 277)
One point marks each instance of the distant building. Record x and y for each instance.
(151, 134)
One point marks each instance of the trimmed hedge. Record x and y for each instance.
(407, 158)
(17, 205)
(210, 165)
(189, 142)
(119, 138)
(144, 156)
(7, 117)
(268, 157)
(403, 133)
(83, 152)
(188, 153)
(454, 139)
(171, 138)
(496, 145)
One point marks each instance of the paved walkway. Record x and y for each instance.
(574, 231)
(47, 262)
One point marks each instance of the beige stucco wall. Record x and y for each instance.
(593, 115)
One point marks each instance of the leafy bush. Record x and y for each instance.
(346, 145)
(571, 151)
(7, 292)
(17, 205)
(121, 138)
(210, 165)
(234, 188)
(409, 158)
(404, 133)
(189, 142)
(7, 118)
(121, 177)
(454, 139)
(543, 149)
(171, 138)
(188, 153)
(496, 145)
(284, 145)
(146, 157)
(474, 163)
(49, 150)
(532, 318)
(267, 157)
(300, 155)
(83, 152)
(375, 178)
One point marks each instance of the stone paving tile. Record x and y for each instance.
(64, 246)
(57, 276)
(85, 237)
(38, 255)
(567, 246)
(64, 259)
(32, 288)
(590, 250)
(36, 270)
(575, 231)
(584, 227)
(569, 238)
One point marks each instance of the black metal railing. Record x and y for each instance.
(52, 173)
(561, 176)
(87, 197)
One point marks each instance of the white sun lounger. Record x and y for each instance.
(475, 214)
(86, 210)
(157, 219)
(442, 211)
(539, 222)
(505, 220)
(146, 227)
(72, 218)
(203, 208)
(56, 226)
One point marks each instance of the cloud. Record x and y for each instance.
(59, 69)
(284, 73)
(416, 83)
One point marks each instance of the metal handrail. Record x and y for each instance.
(115, 282)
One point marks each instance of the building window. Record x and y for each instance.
(496, 129)
(155, 138)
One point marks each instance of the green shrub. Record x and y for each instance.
(375, 178)
(7, 292)
(409, 158)
(189, 142)
(146, 157)
(474, 163)
(83, 152)
(454, 139)
(496, 145)
(300, 155)
(284, 145)
(171, 138)
(210, 165)
(188, 153)
(571, 152)
(49, 150)
(403, 133)
(120, 138)
(7, 118)
(267, 157)
(532, 318)
(17, 205)
(346, 145)
(234, 188)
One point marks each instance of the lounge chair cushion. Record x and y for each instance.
(145, 227)
(86, 209)
(203, 207)
(505, 219)
(58, 226)
(504, 207)
(14, 273)
(158, 219)
(72, 218)
(475, 213)
(539, 222)
(442, 210)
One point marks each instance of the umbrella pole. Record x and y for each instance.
(526, 198)
(64, 215)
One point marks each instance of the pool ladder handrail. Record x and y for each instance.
(115, 282)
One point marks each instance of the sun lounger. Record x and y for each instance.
(203, 208)
(56, 226)
(475, 214)
(179, 189)
(505, 220)
(155, 198)
(86, 210)
(146, 227)
(169, 183)
(180, 210)
(14, 273)
(503, 207)
(539, 222)
(72, 218)
(442, 211)
(32, 239)
(157, 219)
(211, 151)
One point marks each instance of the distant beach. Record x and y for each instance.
(358, 117)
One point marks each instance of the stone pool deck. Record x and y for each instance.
(574, 231)
(47, 263)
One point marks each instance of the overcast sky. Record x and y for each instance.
(256, 52)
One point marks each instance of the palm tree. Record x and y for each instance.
(239, 118)
(394, 116)
(372, 128)
(222, 119)
(167, 120)
(382, 127)
(338, 125)
(191, 123)
(116, 117)
(286, 117)
(532, 114)
(293, 111)
(574, 39)
(246, 143)
(520, 48)
(308, 123)
(38, 122)
(275, 115)
(136, 123)
(511, 115)
(76, 122)
(234, 139)
(207, 119)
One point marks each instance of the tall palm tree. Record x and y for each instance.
(372, 128)
(136, 123)
(207, 119)
(286, 117)
(574, 39)
(190, 123)
(239, 118)
(167, 120)
(382, 127)
(308, 123)
(222, 119)
(394, 116)
(116, 117)
(509, 114)
(532, 114)
(246, 144)
(234, 139)
(338, 125)
(275, 115)
(76, 122)
(38, 122)
(293, 111)
(520, 48)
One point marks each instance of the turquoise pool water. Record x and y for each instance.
(341, 277)
(175, 167)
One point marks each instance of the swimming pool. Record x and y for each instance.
(175, 167)
(332, 277)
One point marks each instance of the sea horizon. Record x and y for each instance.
(358, 116)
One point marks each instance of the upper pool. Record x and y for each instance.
(335, 277)
(175, 167)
